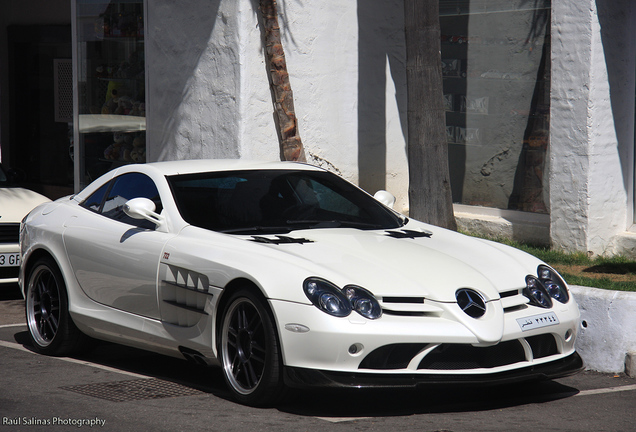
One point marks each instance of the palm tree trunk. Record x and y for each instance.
(430, 197)
(291, 146)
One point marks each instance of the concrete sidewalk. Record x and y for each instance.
(607, 336)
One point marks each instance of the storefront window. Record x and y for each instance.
(496, 70)
(111, 96)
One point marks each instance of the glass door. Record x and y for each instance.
(110, 89)
(496, 73)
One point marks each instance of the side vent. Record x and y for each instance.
(184, 295)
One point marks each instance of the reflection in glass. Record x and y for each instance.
(111, 86)
(496, 69)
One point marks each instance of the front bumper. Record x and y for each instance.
(305, 378)
(423, 345)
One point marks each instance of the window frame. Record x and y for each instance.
(107, 189)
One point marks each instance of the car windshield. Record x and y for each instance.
(276, 201)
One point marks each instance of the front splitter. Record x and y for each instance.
(305, 378)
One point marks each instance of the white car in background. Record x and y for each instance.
(287, 275)
(15, 203)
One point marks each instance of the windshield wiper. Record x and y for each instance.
(302, 224)
(335, 224)
(258, 229)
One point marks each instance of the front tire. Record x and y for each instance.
(51, 329)
(249, 350)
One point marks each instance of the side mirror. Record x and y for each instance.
(143, 208)
(385, 198)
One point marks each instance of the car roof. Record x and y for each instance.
(210, 165)
(170, 168)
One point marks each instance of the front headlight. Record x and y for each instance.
(537, 293)
(363, 302)
(554, 285)
(547, 286)
(327, 297)
(332, 300)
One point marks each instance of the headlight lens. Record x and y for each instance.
(327, 297)
(330, 299)
(537, 293)
(554, 284)
(363, 302)
(547, 286)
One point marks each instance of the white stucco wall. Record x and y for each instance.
(322, 45)
(257, 137)
(192, 59)
(571, 24)
(322, 63)
(591, 133)
(208, 96)
(208, 91)
(603, 341)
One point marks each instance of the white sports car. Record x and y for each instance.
(287, 275)
(15, 203)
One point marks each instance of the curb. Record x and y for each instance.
(607, 336)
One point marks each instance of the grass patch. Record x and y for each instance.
(602, 282)
(613, 273)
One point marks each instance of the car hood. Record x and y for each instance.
(15, 203)
(417, 260)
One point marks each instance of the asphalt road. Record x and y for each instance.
(114, 388)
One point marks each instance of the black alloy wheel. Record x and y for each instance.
(249, 350)
(51, 328)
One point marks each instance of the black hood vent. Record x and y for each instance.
(402, 234)
(280, 240)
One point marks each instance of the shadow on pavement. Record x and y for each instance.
(426, 400)
(133, 360)
(346, 403)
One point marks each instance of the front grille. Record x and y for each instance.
(543, 345)
(513, 300)
(409, 313)
(459, 356)
(395, 356)
(409, 306)
(9, 233)
(411, 300)
(511, 293)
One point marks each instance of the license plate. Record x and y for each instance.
(538, 321)
(10, 260)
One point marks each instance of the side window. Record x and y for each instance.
(94, 202)
(124, 188)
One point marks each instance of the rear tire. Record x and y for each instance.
(249, 350)
(51, 328)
